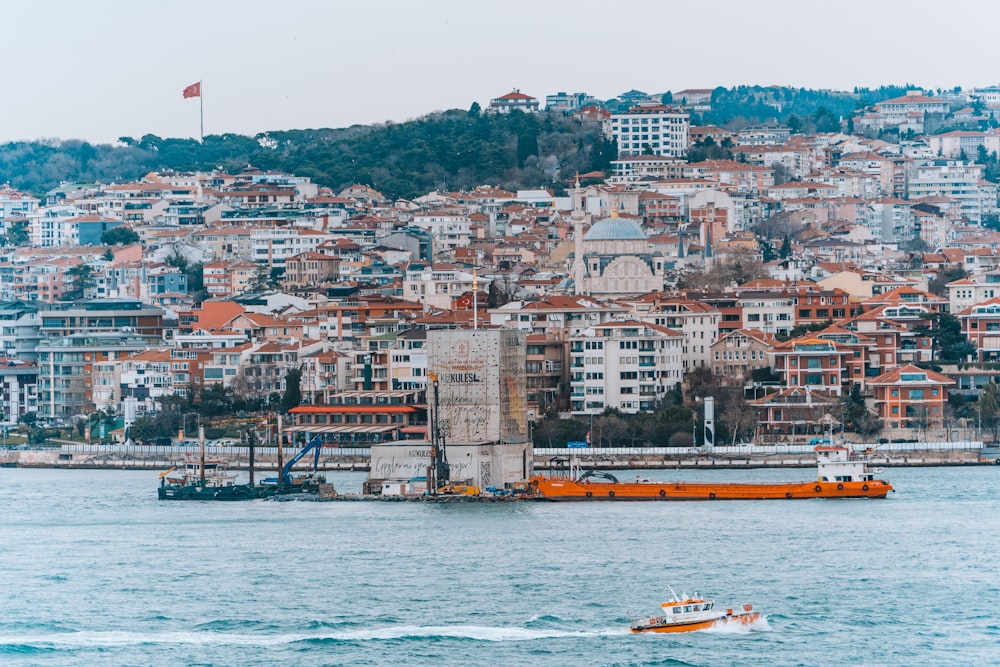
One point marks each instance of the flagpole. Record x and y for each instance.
(201, 108)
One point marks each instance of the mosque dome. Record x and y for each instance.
(615, 229)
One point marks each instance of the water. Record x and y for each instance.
(95, 570)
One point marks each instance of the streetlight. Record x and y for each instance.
(183, 431)
(694, 422)
(979, 409)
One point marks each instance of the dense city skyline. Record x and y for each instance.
(99, 71)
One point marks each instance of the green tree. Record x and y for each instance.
(767, 251)
(120, 235)
(81, 279)
(177, 259)
(293, 390)
(939, 285)
(856, 416)
(786, 248)
(950, 345)
(17, 234)
(988, 409)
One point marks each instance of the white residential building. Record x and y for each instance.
(891, 221)
(953, 144)
(652, 129)
(555, 315)
(769, 312)
(437, 285)
(628, 366)
(450, 228)
(958, 181)
(14, 205)
(698, 322)
(966, 293)
(274, 245)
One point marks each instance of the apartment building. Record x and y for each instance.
(628, 366)
(697, 321)
(18, 389)
(736, 354)
(981, 325)
(956, 180)
(363, 417)
(19, 330)
(652, 129)
(565, 315)
(66, 365)
(547, 373)
(769, 312)
(911, 397)
(820, 365)
(438, 285)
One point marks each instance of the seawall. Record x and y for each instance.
(145, 458)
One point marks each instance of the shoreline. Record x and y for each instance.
(58, 459)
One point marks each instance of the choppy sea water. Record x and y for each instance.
(95, 570)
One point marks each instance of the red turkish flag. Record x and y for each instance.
(194, 90)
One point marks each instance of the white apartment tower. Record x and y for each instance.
(653, 129)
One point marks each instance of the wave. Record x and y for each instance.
(471, 632)
(737, 628)
(98, 639)
(544, 619)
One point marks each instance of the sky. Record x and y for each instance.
(98, 70)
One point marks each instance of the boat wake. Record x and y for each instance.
(111, 639)
(734, 627)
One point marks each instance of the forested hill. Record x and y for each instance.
(449, 150)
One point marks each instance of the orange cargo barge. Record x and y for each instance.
(842, 474)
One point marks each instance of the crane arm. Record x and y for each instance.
(316, 444)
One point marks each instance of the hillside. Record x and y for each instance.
(446, 150)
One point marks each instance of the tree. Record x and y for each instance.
(988, 410)
(950, 345)
(120, 235)
(939, 285)
(786, 248)
(261, 278)
(17, 234)
(177, 259)
(527, 146)
(739, 420)
(81, 278)
(293, 390)
(475, 110)
(767, 251)
(855, 414)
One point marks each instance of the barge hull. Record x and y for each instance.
(560, 489)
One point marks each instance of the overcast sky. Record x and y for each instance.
(101, 69)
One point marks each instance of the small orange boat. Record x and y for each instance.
(842, 474)
(690, 613)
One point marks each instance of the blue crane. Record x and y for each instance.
(315, 445)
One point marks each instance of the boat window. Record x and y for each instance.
(677, 610)
(687, 608)
(708, 606)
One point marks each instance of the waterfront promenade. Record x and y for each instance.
(136, 457)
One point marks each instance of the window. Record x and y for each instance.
(916, 394)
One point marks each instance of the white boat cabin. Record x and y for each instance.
(840, 464)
